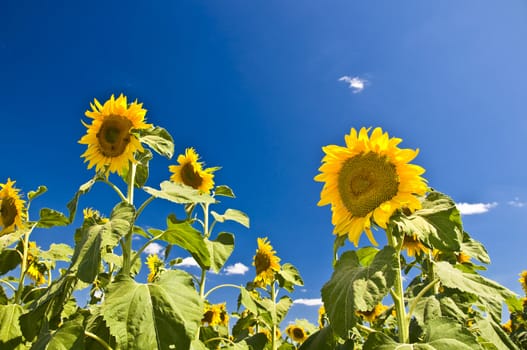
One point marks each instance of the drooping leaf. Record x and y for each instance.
(69, 336)
(50, 218)
(159, 140)
(474, 249)
(179, 193)
(39, 191)
(57, 252)
(233, 215)
(160, 315)
(10, 331)
(353, 287)
(9, 260)
(187, 237)
(9, 239)
(438, 222)
(288, 276)
(223, 190)
(220, 250)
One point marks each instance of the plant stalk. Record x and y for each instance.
(127, 240)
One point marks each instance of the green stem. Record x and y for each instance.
(398, 292)
(419, 296)
(274, 316)
(98, 340)
(143, 206)
(127, 240)
(9, 285)
(116, 189)
(23, 265)
(137, 254)
(221, 286)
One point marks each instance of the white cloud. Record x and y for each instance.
(475, 208)
(308, 302)
(355, 83)
(153, 248)
(188, 262)
(236, 269)
(517, 203)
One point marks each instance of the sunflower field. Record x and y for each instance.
(422, 290)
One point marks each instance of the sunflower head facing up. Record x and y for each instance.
(266, 263)
(367, 181)
(296, 333)
(111, 144)
(12, 213)
(191, 173)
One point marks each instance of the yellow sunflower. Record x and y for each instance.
(507, 326)
(35, 270)
(266, 263)
(296, 333)
(111, 144)
(523, 280)
(373, 314)
(191, 173)
(12, 211)
(216, 315)
(367, 181)
(321, 317)
(462, 257)
(414, 246)
(154, 264)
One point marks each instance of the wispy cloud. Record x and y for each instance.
(308, 302)
(188, 262)
(356, 84)
(517, 203)
(475, 208)
(153, 248)
(236, 269)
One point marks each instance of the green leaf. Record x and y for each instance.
(83, 189)
(489, 292)
(438, 223)
(179, 193)
(187, 237)
(9, 239)
(247, 301)
(323, 339)
(34, 194)
(50, 218)
(223, 190)
(141, 170)
(475, 249)
(494, 334)
(233, 215)
(354, 287)
(9, 324)
(57, 252)
(159, 140)
(70, 336)
(9, 260)
(289, 277)
(220, 250)
(366, 255)
(427, 308)
(160, 315)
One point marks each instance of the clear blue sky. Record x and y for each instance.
(254, 87)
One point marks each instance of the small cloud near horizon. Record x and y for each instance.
(475, 208)
(188, 262)
(153, 249)
(517, 203)
(356, 84)
(236, 269)
(308, 302)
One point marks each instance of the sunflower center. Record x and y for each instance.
(190, 176)
(114, 135)
(8, 211)
(262, 262)
(298, 333)
(366, 181)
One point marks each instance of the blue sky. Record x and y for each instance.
(259, 87)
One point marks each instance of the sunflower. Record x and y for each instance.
(322, 319)
(11, 208)
(414, 246)
(462, 257)
(507, 326)
(296, 333)
(154, 264)
(268, 333)
(367, 181)
(34, 268)
(266, 263)
(523, 280)
(373, 314)
(216, 315)
(111, 143)
(191, 173)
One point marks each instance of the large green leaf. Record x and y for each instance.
(489, 292)
(427, 309)
(9, 260)
(288, 277)
(233, 215)
(179, 193)
(10, 331)
(220, 250)
(493, 335)
(160, 315)
(87, 256)
(61, 251)
(438, 223)
(50, 218)
(70, 336)
(159, 140)
(187, 237)
(353, 287)
(439, 334)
